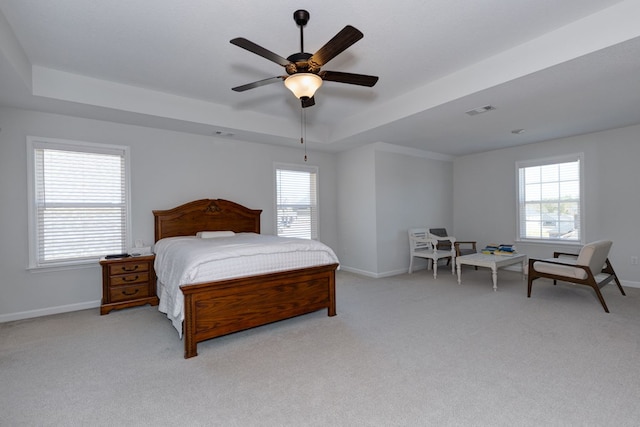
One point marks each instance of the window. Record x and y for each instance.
(550, 199)
(78, 201)
(297, 201)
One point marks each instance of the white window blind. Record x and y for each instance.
(296, 201)
(79, 202)
(550, 199)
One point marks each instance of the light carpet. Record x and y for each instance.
(408, 350)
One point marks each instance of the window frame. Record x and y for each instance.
(298, 168)
(34, 143)
(567, 158)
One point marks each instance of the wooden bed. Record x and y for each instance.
(222, 307)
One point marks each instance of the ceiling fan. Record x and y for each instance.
(304, 74)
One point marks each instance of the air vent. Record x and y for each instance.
(223, 133)
(480, 110)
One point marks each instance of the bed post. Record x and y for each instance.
(188, 328)
(331, 309)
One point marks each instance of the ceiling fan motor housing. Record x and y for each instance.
(300, 63)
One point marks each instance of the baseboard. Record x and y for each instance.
(392, 273)
(357, 271)
(625, 283)
(629, 284)
(48, 311)
(515, 268)
(377, 275)
(371, 274)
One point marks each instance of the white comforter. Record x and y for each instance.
(188, 260)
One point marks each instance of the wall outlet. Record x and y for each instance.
(634, 260)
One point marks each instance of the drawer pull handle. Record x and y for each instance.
(135, 267)
(129, 279)
(129, 294)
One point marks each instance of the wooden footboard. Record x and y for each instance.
(222, 307)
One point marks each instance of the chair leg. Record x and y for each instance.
(600, 297)
(411, 265)
(619, 285)
(609, 269)
(530, 282)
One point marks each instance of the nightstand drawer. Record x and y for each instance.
(130, 267)
(128, 279)
(126, 293)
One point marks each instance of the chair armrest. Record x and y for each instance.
(472, 244)
(431, 240)
(445, 238)
(457, 245)
(557, 254)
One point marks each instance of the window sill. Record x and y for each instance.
(550, 242)
(75, 265)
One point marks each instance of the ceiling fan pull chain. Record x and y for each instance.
(303, 130)
(301, 125)
(304, 115)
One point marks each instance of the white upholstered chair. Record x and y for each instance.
(591, 267)
(422, 245)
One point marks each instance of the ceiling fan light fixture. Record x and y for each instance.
(303, 85)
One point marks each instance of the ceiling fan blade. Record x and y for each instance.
(308, 102)
(259, 50)
(345, 38)
(258, 83)
(353, 79)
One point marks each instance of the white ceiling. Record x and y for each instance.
(553, 68)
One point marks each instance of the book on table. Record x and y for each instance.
(506, 250)
(502, 249)
(490, 249)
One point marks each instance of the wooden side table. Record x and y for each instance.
(128, 282)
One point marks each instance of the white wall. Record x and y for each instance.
(410, 192)
(168, 168)
(369, 197)
(383, 193)
(485, 194)
(357, 210)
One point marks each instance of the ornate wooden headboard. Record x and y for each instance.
(205, 215)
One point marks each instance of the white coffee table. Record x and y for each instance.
(493, 262)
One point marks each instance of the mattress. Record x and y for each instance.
(190, 260)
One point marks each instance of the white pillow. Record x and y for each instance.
(213, 234)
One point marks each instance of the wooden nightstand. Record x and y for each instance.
(128, 282)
